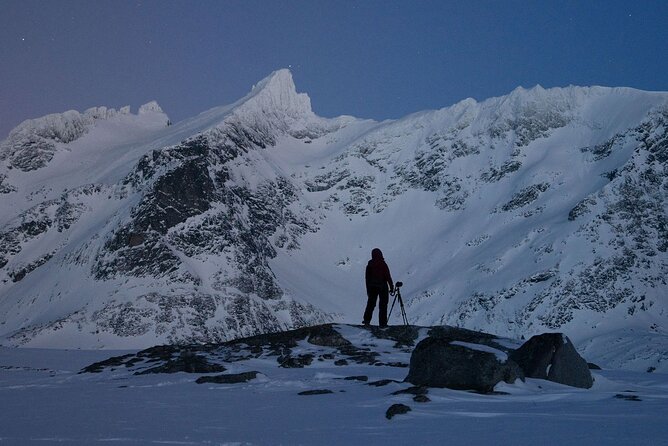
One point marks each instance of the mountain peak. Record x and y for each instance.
(277, 93)
(280, 78)
(149, 107)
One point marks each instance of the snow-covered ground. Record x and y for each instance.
(46, 401)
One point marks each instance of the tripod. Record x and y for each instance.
(397, 296)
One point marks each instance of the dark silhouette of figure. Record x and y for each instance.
(378, 286)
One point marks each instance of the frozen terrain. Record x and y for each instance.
(46, 401)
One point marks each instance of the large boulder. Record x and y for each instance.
(552, 356)
(442, 362)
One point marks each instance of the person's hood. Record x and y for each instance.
(376, 254)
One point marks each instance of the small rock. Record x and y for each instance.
(315, 392)
(414, 390)
(628, 397)
(357, 378)
(396, 364)
(228, 379)
(396, 409)
(421, 399)
(295, 362)
(382, 382)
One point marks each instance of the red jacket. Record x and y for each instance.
(377, 272)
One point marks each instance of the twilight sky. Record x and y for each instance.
(371, 59)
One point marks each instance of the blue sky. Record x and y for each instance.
(371, 59)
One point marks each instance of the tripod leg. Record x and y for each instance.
(403, 310)
(391, 308)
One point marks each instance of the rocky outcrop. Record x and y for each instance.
(469, 360)
(440, 362)
(552, 356)
(287, 347)
(444, 356)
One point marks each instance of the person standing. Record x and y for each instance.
(378, 286)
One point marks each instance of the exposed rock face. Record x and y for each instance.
(439, 362)
(552, 356)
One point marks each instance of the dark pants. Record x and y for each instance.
(373, 294)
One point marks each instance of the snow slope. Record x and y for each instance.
(543, 210)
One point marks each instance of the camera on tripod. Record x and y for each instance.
(397, 296)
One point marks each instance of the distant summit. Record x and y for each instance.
(278, 92)
(150, 107)
(34, 142)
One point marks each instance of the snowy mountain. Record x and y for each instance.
(543, 210)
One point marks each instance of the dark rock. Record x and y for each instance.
(5, 187)
(115, 361)
(495, 174)
(414, 390)
(160, 352)
(183, 192)
(396, 409)
(357, 378)
(593, 366)
(552, 356)
(322, 335)
(362, 356)
(421, 399)
(628, 397)
(403, 335)
(450, 334)
(326, 336)
(20, 273)
(315, 392)
(395, 364)
(436, 362)
(340, 362)
(187, 362)
(228, 379)
(295, 362)
(382, 382)
(525, 196)
(581, 208)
